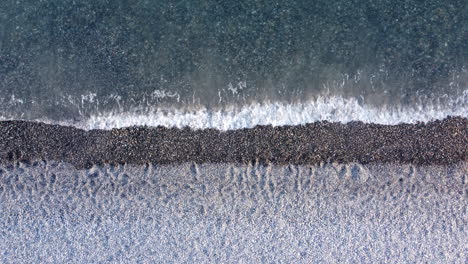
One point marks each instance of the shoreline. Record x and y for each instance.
(440, 142)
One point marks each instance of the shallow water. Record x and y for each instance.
(53, 213)
(69, 61)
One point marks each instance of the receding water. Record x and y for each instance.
(70, 61)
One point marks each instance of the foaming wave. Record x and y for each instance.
(333, 109)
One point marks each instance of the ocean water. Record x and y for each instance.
(226, 64)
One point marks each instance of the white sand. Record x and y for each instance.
(52, 213)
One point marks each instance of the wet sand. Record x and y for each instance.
(320, 193)
(440, 142)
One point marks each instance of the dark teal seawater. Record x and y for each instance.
(57, 55)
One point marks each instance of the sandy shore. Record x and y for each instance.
(224, 213)
(439, 142)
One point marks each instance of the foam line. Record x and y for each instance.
(333, 109)
(232, 117)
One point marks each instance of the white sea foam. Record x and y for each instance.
(329, 108)
(333, 109)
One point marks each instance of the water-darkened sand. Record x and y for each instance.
(439, 142)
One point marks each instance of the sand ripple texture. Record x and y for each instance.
(224, 213)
